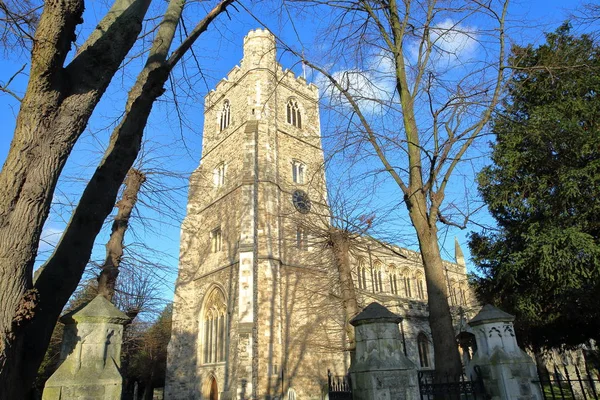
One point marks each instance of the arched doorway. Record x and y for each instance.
(214, 390)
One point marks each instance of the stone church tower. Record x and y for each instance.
(256, 311)
(250, 317)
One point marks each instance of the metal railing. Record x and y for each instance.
(561, 385)
(340, 387)
(445, 387)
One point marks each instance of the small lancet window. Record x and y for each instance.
(298, 171)
(376, 278)
(225, 115)
(463, 296)
(393, 281)
(362, 274)
(293, 114)
(219, 175)
(216, 240)
(407, 288)
(453, 297)
(420, 287)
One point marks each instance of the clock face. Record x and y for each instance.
(301, 201)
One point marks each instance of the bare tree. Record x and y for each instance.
(54, 112)
(414, 104)
(340, 231)
(18, 20)
(114, 248)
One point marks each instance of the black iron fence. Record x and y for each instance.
(339, 387)
(445, 387)
(560, 384)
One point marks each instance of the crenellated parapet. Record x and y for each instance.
(259, 50)
(288, 78)
(259, 55)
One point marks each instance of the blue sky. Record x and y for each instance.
(176, 143)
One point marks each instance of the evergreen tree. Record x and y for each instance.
(148, 354)
(543, 189)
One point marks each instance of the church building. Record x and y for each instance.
(257, 311)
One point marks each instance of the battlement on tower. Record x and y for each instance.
(288, 77)
(259, 54)
(259, 33)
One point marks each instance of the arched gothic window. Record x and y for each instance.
(463, 295)
(293, 113)
(213, 329)
(225, 115)
(376, 278)
(301, 238)
(361, 274)
(219, 175)
(420, 286)
(291, 394)
(407, 286)
(298, 171)
(453, 297)
(393, 280)
(423, 345)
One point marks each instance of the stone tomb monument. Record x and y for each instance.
(90, 354)
(380, 370)
(507, 371)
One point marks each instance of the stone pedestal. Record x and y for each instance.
(90, 354)
(507, 371)
(380, 370)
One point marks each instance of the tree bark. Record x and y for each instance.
(114, 247)
(59, 276)
(422, 188)
(446, 356)
(340, 243)
(54, 112)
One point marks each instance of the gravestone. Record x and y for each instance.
(507, 371)
(380, 370)
(90, 354)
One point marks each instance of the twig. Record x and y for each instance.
(4, 88)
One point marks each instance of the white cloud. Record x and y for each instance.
(371, 88)
(452, 43)
(454, 39)
(49, 239)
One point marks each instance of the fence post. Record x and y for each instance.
(380, 369)
(507, 371)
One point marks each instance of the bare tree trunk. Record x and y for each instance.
(447, 358)
(41, 305)
(114, 247)
(340, 243)
(54, 112)
(433, 147)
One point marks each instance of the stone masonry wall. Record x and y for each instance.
(284, 321)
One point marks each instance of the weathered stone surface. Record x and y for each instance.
(507, 371)
(380, 369)
(90, 354)
(375, 312)
(284, 320)
(489, 313)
